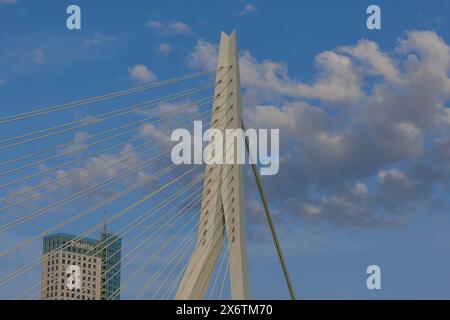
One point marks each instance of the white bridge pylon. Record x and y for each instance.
(222, 210)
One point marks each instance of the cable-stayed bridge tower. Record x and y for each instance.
(222, 210)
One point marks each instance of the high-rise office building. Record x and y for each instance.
(85, 269)
(110, 257)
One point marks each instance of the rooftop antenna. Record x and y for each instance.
(105, 221)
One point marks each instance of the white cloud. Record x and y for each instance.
(79, 143)
(90, 119)
(342, 130)
(400, 139)
(376, 61)
(397, 189)
(297, 119)
(173, 27)
(204, 55)
(179, 27)
(141, 73)
(428, 56)
(249, 8)
(2, 82)
(8, 1)
(393, 174)
(92, 172)
(38, 56)
(149, 130)
(360, 189)
(161, 130)
(338, 79)
(97, 38)
(164, 48)
(153, 24)
(311, 210)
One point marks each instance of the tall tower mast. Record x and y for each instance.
(105, 221)
(222, 210)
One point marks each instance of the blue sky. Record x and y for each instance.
(363, 117)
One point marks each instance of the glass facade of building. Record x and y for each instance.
(82, 246)
(107, 252)
(111, 256)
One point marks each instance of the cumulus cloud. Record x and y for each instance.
(338, 79)
(161, 129)
(164, 48)
(248, 9)
(296, 118)
(38, 56)
(352, 206)
(76, 180)
(173, 27)
(376, 62)
(99, 177)
(150, 130)
(78, 144)
(365, 141)
(90, 119)
(141, 73)
(97, 38)
(396, 188)
(204, 55)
